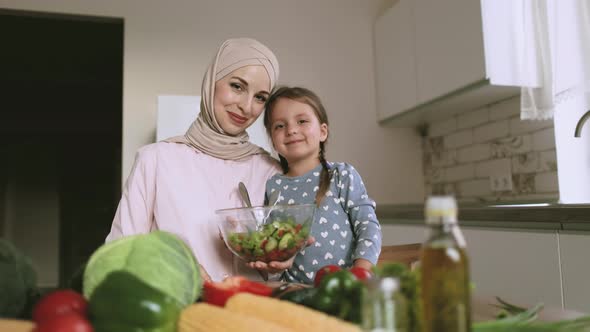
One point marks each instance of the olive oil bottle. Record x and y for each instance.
(446, 300)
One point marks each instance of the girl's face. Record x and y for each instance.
(239, 98)
(296, 131)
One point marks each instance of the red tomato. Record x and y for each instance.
(58, 303)
(323, 271)
(67, 322)
(218, 293)
(360, 273)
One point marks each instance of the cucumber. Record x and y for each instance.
(286, 240)
(270, 244)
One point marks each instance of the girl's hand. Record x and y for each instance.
(204, 273)
(277, 267)
(361, 262)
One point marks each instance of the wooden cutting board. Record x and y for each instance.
(12, 325)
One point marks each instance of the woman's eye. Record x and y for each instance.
(236, 86)
(261, 98)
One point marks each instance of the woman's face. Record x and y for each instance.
(239, 98)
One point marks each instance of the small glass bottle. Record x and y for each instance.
(383, 306)
(445, 284)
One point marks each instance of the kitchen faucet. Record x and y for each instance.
(581, 124)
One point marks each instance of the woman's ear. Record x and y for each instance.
(323, 132)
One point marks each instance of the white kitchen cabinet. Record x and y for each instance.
(449, 46)
(394, 39)
(431, 61)
(576, 270)
(522, 267)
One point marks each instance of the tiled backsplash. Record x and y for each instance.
(464, 155)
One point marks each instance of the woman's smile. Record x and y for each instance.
(237, 119)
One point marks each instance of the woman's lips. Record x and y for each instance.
(239, 120)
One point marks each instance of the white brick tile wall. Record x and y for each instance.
(493, 167)
(473, 118)
(544, 139)
(546, 182)
(505, 109)
(519, 127)
(443, 127)
(547, 160)
(461, 172)
(525, 163)
(490, 131)
(475, 188)
(458, 139)
(509, 146)
(475, 152)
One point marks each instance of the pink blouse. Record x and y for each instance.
(172, 187)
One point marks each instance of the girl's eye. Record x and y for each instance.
(302, 121)
(236, 86)
(279, 126)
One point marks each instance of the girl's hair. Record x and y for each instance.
(305, 96)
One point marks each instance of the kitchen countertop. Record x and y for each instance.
(523, 215)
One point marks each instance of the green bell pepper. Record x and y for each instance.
(340, 294)
(123, 302)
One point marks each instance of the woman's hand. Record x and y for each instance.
(277, 267)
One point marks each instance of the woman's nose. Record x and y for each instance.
(245, 105)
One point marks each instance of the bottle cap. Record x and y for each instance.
(440, 209)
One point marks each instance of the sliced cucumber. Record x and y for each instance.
(270, 244)
(286, 240)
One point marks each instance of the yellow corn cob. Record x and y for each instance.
(203, 317)
(287, 314)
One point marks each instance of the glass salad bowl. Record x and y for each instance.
(266, 233)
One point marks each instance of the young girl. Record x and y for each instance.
(346, 230)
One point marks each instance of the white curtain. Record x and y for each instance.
(560, 31)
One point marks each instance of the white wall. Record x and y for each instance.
(326, 45)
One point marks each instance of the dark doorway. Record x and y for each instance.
(60, 135)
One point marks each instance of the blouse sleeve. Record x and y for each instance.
(361, 213)
(135, 213)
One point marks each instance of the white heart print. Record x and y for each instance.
(294, 188)
(291, 201)
(341, 262)
(272, 190)
(324, 234)
(351, 188)
(304, 194)
(361, 252)
(329, 193)
(323, 220)
(335, 227)
(356, 223)
(316, 173)
(375, 237)
(336, 200)
(314, 262)
(301, 268)
(343, 246)
(364, 196)
(316, 188)
(325, 208)
(317, 244)
(302, 252)
(308, 180)
(365, 222)
(368, 243)
(309, 275)
(328, 256)
(336, 212)
(344, 172)
(278, 181)
(349, 203)
(344, 233)
(286, 187)
(332, 242)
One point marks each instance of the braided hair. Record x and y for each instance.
(305, 96)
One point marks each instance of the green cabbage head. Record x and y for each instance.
(160, 259)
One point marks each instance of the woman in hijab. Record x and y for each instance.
(177, 184)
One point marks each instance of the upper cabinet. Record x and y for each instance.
(432, 59)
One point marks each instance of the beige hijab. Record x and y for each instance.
(205, 134)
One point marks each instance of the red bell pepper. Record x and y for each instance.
(218, 293)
